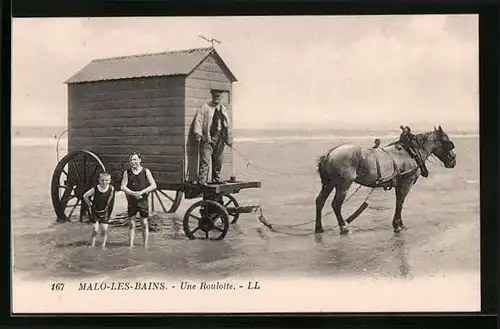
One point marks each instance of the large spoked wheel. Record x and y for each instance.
(231, 205)
(169, 200)
(77, 172)
(206, 219)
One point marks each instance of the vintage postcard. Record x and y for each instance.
(245, 164)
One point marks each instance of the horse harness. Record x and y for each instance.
(388, 183)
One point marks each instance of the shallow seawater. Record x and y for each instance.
(441, 214)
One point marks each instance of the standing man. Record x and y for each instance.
(213, 132)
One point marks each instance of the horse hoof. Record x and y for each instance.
(399, 229)
(344, 231)
(319, 230)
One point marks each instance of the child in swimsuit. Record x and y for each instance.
(137, 183)
(103, 195)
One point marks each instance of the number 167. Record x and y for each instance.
(57, 286)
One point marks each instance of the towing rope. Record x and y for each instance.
(273, 227)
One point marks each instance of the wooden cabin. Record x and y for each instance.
(146, 103)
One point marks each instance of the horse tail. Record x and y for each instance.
(321, 171)
(321, 166)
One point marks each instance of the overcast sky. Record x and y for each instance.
(303, 71)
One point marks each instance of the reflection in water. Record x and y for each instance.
(361, 254)
(261, 234)
(334, 253)
(401, 256)
(177, 231)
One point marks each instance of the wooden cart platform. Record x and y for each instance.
(228, 187)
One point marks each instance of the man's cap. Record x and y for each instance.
(377, 140)
(216, 92)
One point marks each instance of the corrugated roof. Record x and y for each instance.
(179, 62)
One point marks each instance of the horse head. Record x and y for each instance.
(443, 147)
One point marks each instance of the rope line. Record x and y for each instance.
(272, 227)
(262, 218)
(249, 162)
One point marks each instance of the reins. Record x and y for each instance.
(267, 169)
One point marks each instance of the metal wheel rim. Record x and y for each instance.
(191, 216)
(73, 186)
(232, 200)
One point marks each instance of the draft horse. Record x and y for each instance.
(345, 164)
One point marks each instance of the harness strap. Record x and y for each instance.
(377, 162)
(391, 179)
(394, 165)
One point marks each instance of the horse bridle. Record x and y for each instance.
(448, 145)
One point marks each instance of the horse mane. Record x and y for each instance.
(421, 139)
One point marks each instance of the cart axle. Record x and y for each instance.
(242, 209)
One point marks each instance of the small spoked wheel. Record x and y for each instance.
(77, 172)
(231, 205)
(206, 219)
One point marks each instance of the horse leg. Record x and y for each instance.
(401, 193)
(326, 189)
(338, 200)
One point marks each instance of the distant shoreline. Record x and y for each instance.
(250, 134)
(37, 141)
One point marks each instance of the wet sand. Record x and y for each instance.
(441, 214)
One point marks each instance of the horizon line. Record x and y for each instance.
(272, 128)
